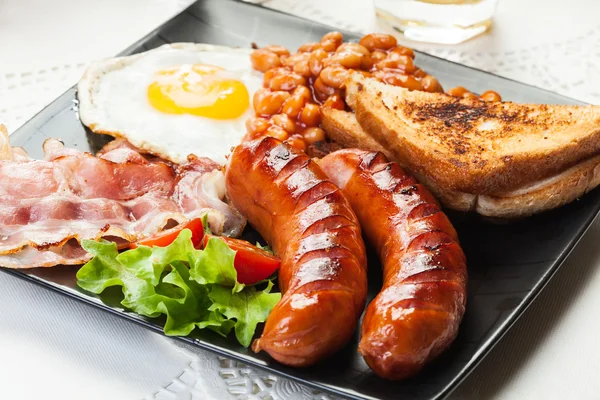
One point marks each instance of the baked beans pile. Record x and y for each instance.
(296, 85)
(488, 95)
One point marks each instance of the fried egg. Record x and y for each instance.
(175, 100)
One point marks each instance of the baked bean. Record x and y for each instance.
(490, 95)
(322, 90)
(284, 121)
(287, 82)
(279, 50)
(389, 64)
(310, 115)
(330, 61)
(335, 101)
(329, 45)
(352, 55)
(347, 59)
(333, 36)
(409, 67)
(334, 76)
(378, 41)
(366, 74)
(293, 106)
(315, 61)
(294, 58)
(431, 85)
(277, 132)
(302, 69)
(469, 95)
(403, 51)
(353, 47)
(302, 91)
(458, 91)
(378, 55)
(264, 60)
(270, 74)
(366, 63)
(266, 102)
(297, 142)
(308, 47)
(396, 61)
(256, 125)
(313, 135)
(419, 73)
(397, 79)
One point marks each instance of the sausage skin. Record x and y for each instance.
(309, 223)
(418, 311)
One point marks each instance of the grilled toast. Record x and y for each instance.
(473, 146)
(525, 200)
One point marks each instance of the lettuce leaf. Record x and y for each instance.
(192, 288)
(266, 248)
(215, 265)
(248, 307)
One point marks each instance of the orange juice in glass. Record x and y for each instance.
(437, 21)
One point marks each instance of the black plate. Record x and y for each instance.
(508, 263)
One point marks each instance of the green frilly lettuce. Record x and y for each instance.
(192, 288)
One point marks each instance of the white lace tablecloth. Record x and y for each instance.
(55, 348)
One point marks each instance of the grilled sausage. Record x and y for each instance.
(308, 222)
(417, 313)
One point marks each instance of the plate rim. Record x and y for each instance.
(444, 392)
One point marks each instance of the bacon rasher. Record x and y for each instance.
(48, 206)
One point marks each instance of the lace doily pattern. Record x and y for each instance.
(212, 377)
(23, 94)
(313, 11)
(538, 65)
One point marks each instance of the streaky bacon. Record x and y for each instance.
(48, 206)
(126, 149)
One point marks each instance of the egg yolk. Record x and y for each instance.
(203, 90)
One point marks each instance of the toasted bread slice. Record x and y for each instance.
(342, 127)
(532, 198)
(473, 146)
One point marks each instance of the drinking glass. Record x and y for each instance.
(437, 21)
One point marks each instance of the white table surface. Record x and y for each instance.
(55, 348)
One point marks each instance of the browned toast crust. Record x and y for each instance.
(532, 199)
(471, 145)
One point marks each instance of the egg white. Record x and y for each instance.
(113, 100)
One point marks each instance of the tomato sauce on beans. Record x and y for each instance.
(296, 85)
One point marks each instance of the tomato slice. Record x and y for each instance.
(167, 237)
(251, 263)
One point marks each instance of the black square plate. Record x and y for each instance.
(508, 263)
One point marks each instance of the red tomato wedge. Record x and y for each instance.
(251, 263)
(167, 237)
